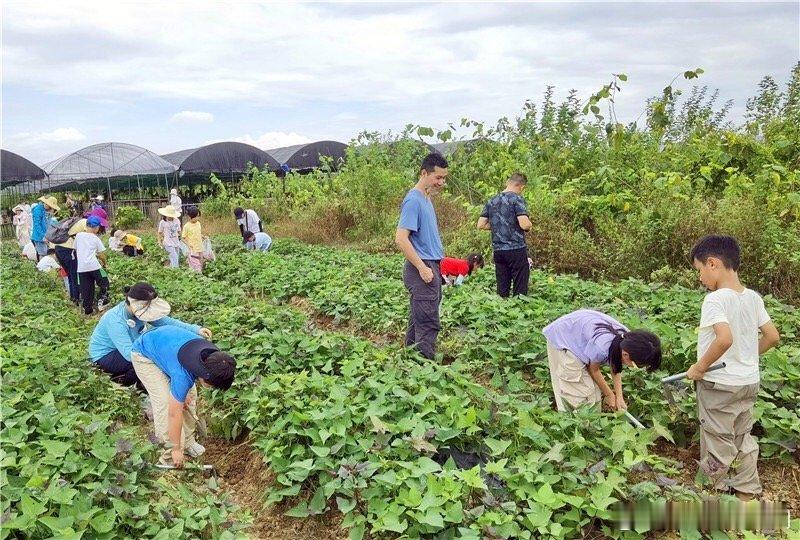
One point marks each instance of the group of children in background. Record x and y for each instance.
(72, 247)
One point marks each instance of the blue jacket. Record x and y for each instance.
(40, 221)
(118, 329)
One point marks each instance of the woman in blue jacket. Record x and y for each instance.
(113, 337)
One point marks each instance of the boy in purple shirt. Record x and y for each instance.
(579, 342)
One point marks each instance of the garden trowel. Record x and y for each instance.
(677, 384)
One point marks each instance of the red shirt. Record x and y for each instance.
(454, 267)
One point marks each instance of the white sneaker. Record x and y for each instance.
(195, 449)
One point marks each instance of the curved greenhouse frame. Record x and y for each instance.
(222, 158)
(105, 160)
(304, 157)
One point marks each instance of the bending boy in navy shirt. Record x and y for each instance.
(168, 360)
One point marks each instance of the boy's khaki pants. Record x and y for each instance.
(726, 418)
(156, 383)
(571, 380)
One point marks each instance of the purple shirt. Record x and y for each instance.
(576, 333)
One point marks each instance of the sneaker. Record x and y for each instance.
(102, 305)
(195, 449)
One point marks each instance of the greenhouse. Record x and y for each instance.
(304, 157)
(15, 169)
(115, 170)
(103, 162)
(19, 175)
(223, 159)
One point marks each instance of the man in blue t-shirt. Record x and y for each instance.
(506, 215)
(168, 360)
(417, 236)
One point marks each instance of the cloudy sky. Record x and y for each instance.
(169, 76)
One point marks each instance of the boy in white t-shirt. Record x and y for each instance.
(89, 250)
(730, 321)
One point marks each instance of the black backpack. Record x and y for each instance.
(59, 233)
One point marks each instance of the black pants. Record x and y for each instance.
(121, 370)
(423, 320)
(511, 267)
(87, 282)
(131, 251)
(66, 258)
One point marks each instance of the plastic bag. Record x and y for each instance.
(208, 251)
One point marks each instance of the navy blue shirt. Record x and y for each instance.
(502, 211)
(418, 216)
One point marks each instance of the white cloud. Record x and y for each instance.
(44, 146)
(58, 135)
(269, 140)
(191, 117)
(423, 63)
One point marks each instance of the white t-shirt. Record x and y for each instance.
(47, 263)
(745, 314)
(171, 230)
(176, 203)
(87, 246)
(250, 221)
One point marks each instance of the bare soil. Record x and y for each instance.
(243, 475)
(780, 480)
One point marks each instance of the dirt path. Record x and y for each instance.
(781, 481)
(243, 475)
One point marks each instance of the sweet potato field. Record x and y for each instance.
(352, 430)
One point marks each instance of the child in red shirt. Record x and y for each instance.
(454, 270)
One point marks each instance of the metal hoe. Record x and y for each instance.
(674, 380)
(677, 381)
(632, 419)
(166, 467)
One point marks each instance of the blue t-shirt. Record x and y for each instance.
(161, 345)
(502, 212)
(118, 329)
(418, 216)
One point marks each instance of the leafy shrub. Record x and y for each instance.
(128, 217)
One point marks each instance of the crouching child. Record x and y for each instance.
(169, 361)
(259, 241)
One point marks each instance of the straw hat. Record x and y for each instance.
(169, 211)
(145, 303)
(119, 234)
(50, 201)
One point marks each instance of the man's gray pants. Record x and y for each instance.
(423, 320)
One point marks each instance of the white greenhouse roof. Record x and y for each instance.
(105, 160)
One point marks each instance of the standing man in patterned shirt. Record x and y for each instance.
(506, 215)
